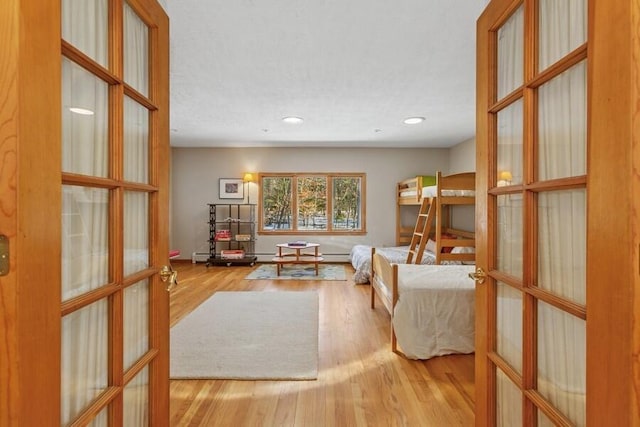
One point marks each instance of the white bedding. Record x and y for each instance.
(432, 190)
(435, 312)
(360, 258)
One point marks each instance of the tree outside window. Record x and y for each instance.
(312, 203)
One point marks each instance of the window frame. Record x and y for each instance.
(329, 176)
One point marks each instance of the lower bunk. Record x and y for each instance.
(360, 258)
(432, 307)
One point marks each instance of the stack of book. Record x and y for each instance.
(297, 243)
(223, 235)
(232, 254)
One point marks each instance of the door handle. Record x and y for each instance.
(478, 276)
(168, 274)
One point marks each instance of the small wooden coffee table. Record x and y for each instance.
(298, 256)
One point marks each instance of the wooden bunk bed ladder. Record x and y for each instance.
(421, 231)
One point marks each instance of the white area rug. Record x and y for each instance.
(249, 336)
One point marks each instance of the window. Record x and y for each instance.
(314, 203)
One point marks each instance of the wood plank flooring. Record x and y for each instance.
(360, 381)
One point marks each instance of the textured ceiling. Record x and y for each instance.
(353, 69)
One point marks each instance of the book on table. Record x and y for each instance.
(297, 243)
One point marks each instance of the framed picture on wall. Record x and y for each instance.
(231, 188)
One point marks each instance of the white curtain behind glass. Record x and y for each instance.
(511, 54)
(562, 214)
(85, 151)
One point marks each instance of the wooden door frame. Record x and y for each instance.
(613, 221)
(613, 275)
(30, 202)
(30, 138)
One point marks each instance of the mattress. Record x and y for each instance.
(431, 191)
(435, 313)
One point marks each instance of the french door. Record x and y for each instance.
(114, 316)
(532, 168)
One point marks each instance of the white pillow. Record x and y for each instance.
(464, 250)
(431, 246)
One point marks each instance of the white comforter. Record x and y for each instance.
(435, 312)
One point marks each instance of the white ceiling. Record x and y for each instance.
(353, 69)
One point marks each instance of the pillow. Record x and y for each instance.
(427, 180)
(431, 246)
(464, 250)
(447, 249)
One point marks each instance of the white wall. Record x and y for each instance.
(195, 174)
(462, 158)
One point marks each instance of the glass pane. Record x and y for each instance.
(563, 28)
(136, 232)
(136, 51)
(346, 203)
(102, 419)
(84, 25)
(562, 245)
(85, 350)
(562, 361)
(543, 421)
(136, 322)
(136, 142)
(509, 234)
(136, 400)
(510, 138)
(84, 121)
(510, 54)
(312, 203)
(276, 203)
(562, 124)
(508, 402)
(85, 240)
(509, 325)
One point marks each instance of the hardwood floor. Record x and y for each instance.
(360, 381)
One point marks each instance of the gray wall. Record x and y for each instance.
(195, 174)
(462, 158)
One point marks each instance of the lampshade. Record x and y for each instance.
(248, 177)
(505, 176)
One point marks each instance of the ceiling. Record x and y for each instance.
(352, 69)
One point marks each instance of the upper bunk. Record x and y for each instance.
(454, 189)
(409, 191)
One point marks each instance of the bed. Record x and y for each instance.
(360, 257)
(431, 306)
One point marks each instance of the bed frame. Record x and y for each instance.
(383, 272)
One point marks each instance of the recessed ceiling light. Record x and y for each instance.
(82, 111)
(292, 120)
(413, 120)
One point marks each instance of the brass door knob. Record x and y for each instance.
(168, 274)
(478, 276)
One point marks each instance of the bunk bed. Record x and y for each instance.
(434, 230)
(431, 306)
(443, 244)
